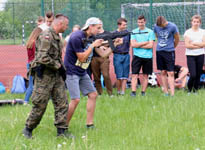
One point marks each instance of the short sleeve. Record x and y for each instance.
(67, 38)
(155, 30)
(133, 36)
(77, 44)
(176, 30)
(151, 36)
(203, 32)
(186, 33)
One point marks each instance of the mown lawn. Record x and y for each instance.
(153, 122)
(17, 41)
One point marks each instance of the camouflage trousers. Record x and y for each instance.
(50, 86)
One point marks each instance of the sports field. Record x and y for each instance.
(13, 59)
(153, 122)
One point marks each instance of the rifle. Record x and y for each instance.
(110, 36)
(11, 102)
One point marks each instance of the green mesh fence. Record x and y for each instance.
(16, 15)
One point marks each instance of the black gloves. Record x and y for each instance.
(62, 72)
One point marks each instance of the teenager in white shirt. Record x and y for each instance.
(194, 43)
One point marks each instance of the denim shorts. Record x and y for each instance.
(76, 83)
(121, 65)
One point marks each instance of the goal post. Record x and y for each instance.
(179, 13)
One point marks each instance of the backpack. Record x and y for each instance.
(18, 85)
(2, 88)
(202, 78)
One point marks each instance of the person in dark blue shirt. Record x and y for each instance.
(121, 59)
(77, 59)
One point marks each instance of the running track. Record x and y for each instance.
(13, 60)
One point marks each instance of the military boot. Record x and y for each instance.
(61, 132)
(27, 133)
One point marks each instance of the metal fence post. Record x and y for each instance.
(42, 8)
(23, 35)
(150, 13)
(13, 24)
(52, 6)
(198, 8)
(184, 17)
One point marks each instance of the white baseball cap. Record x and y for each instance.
(91, 21)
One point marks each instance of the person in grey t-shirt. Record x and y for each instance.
(168, 38)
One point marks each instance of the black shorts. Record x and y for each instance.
(144, 63)
(165, 60)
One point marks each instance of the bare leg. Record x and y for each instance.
(119, 84)
(183, 82)
(171, 82)
(72, 106)
(91, 107)
(124, 82)
(145, 82)
(134, 81)
(164, 81)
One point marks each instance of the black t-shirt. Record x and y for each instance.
(177, 69)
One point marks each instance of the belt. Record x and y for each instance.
(122, 53)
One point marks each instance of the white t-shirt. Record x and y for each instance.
(67, 38)
(195, 36)
(43, 26)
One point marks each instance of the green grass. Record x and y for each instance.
(153, 122)
(10, 41)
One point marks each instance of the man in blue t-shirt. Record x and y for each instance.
(142, 42)
(77, 59)
(168, 38)
(121, 59)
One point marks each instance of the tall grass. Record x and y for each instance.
(153, 122)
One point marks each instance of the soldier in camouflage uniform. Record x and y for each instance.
(49, 75)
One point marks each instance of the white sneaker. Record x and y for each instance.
(25, 103)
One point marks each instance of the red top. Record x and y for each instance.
(31, 53)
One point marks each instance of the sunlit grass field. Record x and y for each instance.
(153, 122)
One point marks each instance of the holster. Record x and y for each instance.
(39, 70)
(62, 72)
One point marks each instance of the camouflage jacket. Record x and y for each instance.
(48, 50)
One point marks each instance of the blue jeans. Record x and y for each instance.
(121, 65)
(29, 90)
